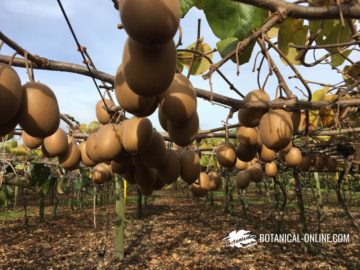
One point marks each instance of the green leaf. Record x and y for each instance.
(228, 45)
(185, 6)
(337, 59)
(292, 32)
(230, 19)
(353, 73)
(93, 126)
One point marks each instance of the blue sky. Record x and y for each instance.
(39, 27)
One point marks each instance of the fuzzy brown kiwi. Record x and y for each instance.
(56, 144)
(10, 93)
(108, 142)
(30, 141)
(267, 154)
(122, 167)
(178, 102)
(276, 129)
(287, 148)
(8, 128)
(100, 174)
(159, 184)
(90, 149)
(331, 164)
(162, 119)
(39, 113)
(185, 133)
(155, 155)
(71, 159)
(149, 71)
(246, 135)
(101, 114)
(44, 152)
(226, 155)
(241, 165)
(293, 157)
(130, 178)
(85, 159)
(243, 179)
(256, 172)
(170, 171)
(271, 169)
(214, 181)
(189, 166)
(144, 176)
(250, 117)
(319, 162)
(147, 191)
(197, 191)
(137, 134)
(246, 152)
(129, 100)
(306, 163)
(151, 23)
(295, 118)
(204, 181)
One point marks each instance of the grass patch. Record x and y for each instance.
(10, 215)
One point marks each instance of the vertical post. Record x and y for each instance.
(120, 218)
(318, 188)
(16, 196)
(94, 207)
(139, 204)
(226, 193)
(26, 218)
(42, 206)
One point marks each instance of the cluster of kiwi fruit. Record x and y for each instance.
(318, 162)
(34, 106)
(207, 182)
(134, 150)
(147, 78)
(262, 133)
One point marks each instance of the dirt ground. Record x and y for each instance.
(176, 232)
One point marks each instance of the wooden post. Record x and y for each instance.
(120, 218)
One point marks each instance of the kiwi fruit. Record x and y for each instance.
(130, 178)
(214, 181)
(267, 154)
(306, 163)
(162, 120)
(170, 171)
(144, 176)
(122, 167)
(189, 166)
(178, 102)
(30, 141)
(250, 117)
(293, 157)
(10, 93)
(256, 172)
(159, 184)
(185, 133)
(101, 174)
(287, 148)
(149, 71)
(71, 159)
(241, 165)
(56, 144)
(85, 159)
(271, 169)
(44, 152)
(137, 134)
(246, 135)
(101, 114)
(90, 149)
(39, 113)
(155, 155)
(9, 127)
(204, 181)
(107, 143)
(319, 162)
(198, 191)
(331, 164)
(276, 129)
(295, 118)
(243, 179)
(246, 152)
(226, 155)
(146, 191)
(151, 23)
(129, 100)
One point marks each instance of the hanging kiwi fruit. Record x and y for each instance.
(151, 23)
(56, 144)
(319, 162)
(271, 169)
(226, 155)
(129, 100)
(267, 154)
(137, 134)
(189, 166)
(108, 142)
(85, 159)
(246, 135)
(101, 113)
(246, 152)
(306, 163)
(178, 103)
(293, 158)
(30, 141)
(162, 119)
(90, 148)
(101, 174)
(197, 190)
(8, 128)
(250, 117)
(243, 179)
(256, 172)
(122, 167)
(240, 165)
(331, 164)
(156, 154)
(276, 129)
(159, 184)
(39, 113)
(214, 181)
(10, 93)
(70, 160)
(170, 171)
(149, 71)
(185, 133)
